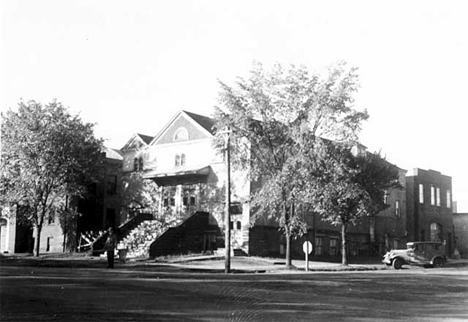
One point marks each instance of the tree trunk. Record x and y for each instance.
(38, 240)
(288, 249)
(344, 256)
(65, 232)
(287, 233)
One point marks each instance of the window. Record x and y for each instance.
(112, 184)
(179, 160)
(185, 201)
(172, 202)
(432, 195)
(239, 225)
(449, 199)
(421, 193)
(318, 246)
(166, 202)
(181, 134)
(51, 218)
(436, 232)
(385, 197)
(49, 242)
(438, 197)
(140, 164)
(192, 201)
(182, 159)
(397, 208)
(333, 247)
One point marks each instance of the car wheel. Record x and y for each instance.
(398, 263)
(438, 262)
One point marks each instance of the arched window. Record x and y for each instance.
(177, 160)
(436, 232)
(181, 134)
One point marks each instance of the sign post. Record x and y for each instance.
(307, 248)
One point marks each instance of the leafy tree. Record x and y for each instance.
(67, 213)
(136, 189)
(47, 154)
(350, 187)
(275, 117)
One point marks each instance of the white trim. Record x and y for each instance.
(130, 142)
(183, 142)
(172, 121)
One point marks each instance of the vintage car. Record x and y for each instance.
(417, 253)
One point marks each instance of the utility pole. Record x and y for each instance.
(227, 233)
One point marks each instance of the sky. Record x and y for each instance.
(130, 66)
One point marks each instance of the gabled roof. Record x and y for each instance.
(113, 154)
(144, 139)
(204, 123)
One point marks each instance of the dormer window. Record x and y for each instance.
(181, 134)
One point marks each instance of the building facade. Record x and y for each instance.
(191, 176)
(188, 175)
(429, 207)
(460, 224)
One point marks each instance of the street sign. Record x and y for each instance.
(307, 247)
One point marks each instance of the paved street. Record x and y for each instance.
(166, 293)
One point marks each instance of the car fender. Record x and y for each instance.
(400, 257)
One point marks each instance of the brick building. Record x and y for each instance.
(101, 208)
(429, 207)
(190, 175)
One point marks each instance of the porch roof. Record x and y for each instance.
(179, 175)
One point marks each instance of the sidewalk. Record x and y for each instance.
(265, 265)
(203, 264)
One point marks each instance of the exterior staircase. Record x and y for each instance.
(97, 247)
(143, 237)
(138, 241)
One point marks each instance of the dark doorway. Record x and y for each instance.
(24, 241)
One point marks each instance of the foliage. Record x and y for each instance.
(143, 192)
(47, 154)
(377, 176)
(350, 187)
(275, 117)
